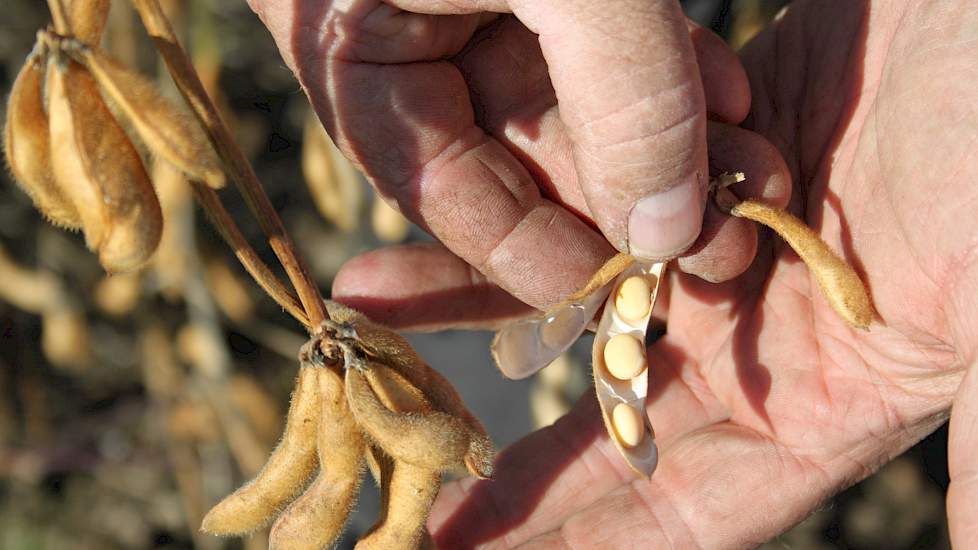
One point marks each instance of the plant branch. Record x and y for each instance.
(237, 165)
(60, 17)
(260, 272)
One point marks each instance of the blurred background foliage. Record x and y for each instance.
(139, 401)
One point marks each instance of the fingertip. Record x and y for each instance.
(734, 149)
(727, 246)
(725, 249)
(423, 287)
(725, 84)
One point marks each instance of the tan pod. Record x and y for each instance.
(391, 349)
(623, 400)
(429, 439)
(316, 518)
(407, 493)
(27, 144)
(333, 181)
(839, 282)
(285, 474)
(168, 131)
(100, 172)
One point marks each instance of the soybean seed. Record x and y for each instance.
(628, 425)
(624, 356)
(634, 299)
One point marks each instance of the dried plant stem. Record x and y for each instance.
(237, 165)
(60, 17)
(258, 270)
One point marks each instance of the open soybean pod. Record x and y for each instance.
(526, 346)
(27, 144)
(619, 362)
(99, 170)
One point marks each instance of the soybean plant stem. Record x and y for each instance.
(60, 17)
(260, 272)
(237, 165)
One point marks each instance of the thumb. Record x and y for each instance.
(630, 94)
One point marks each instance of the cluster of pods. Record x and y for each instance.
(74, 119)
(363, 396)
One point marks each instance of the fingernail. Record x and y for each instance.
(662, 225)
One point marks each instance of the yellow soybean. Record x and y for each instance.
(628, 425)
(634, 299)
(624, 356)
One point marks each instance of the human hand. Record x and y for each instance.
(455, 119)
(764, 402)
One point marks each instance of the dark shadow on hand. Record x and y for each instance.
(524, 473)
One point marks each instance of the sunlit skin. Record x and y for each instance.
(764, 402)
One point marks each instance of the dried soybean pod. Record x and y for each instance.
(87, 19)
(391, 349)
(333, 181)
(388, 223)
(285, 473)
(407, 498)
(100, 171)
(839, 282)
(380, 466)
(117, 295)
(168, 131)
(317, 517)
(396, 392)
(64, 338)
(433, 440)
(27, 145)
(622, 401)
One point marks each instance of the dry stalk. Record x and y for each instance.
(258, 270)
(88, 19)
(60, 17)
(236, 163)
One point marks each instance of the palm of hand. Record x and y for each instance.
(764, 402)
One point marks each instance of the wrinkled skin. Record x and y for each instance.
(764, 402)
